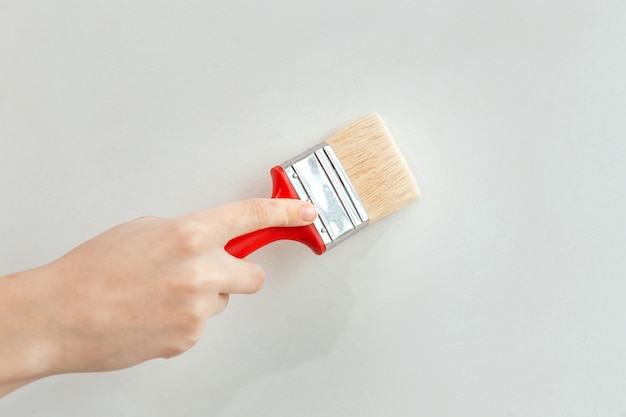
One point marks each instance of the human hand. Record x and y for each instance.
(142, 289)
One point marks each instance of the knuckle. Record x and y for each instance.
(195, 279)
(193, 319)
(259, 210)
(174, 349)
(178, 347)
(287, 215)
(190, 325)
(188, 236)
(187, 287)
(185, 282)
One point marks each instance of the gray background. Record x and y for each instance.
(500, 293)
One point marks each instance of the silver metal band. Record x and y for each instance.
(317, 176)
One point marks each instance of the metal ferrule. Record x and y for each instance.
(318, 177)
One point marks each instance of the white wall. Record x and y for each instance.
(500, 293)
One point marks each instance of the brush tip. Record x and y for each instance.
(376, 168)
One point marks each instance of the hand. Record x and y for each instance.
(138, 291)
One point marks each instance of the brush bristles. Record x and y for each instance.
(375, 166)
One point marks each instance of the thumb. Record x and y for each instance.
(236, 219)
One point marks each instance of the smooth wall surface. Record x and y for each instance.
(500, 293)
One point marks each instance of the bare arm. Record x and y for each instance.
(138, 291)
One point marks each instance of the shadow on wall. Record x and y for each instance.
(296, 318)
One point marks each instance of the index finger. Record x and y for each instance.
(236, 219)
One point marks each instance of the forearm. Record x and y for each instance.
(26, 351)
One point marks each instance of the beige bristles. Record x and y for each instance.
(375, 166)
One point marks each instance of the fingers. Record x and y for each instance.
(222, 303)
(243, 277)
(203, 229)
(236, 219)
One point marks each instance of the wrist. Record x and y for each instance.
(28, 348)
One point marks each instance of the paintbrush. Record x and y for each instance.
(354, 178)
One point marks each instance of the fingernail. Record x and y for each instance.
(308, 212)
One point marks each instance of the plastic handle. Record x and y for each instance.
(244, 245)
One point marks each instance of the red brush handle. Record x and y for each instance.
(244, 245)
